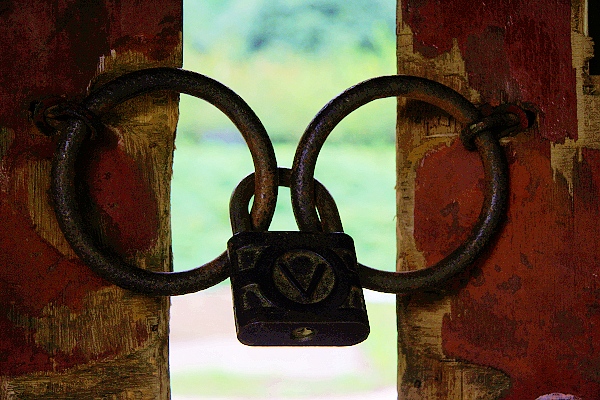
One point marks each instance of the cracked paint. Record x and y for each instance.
(66, 332)
(527, 311)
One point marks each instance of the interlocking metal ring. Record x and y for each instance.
(494, 165)
(240, 198)
(73, 134)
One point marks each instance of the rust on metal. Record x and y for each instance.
(73, 134)
(486, 143)
(294, 288)
(240, 198)
(482, 133)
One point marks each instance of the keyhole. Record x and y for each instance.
(303, 334)
(594, 33)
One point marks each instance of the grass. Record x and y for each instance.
(223, 384)
(361, 180)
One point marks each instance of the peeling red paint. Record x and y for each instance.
(141, 332)
(53, 48)
(157, 44)
(513, 51)
(533, 309)
(456, 205)
(122, 196)
(19, 355)
(34, 274)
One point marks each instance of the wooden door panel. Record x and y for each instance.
(523, 323)
(65, 333)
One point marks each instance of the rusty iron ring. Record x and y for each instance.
(240, 198)
(492, 156)
(73, 133)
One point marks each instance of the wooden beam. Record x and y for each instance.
(65, 333)
(523, 322)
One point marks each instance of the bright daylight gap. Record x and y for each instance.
(286, 59)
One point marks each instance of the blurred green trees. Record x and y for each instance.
(287, 59)
(306, 26)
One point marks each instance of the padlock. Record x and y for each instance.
(294, 288)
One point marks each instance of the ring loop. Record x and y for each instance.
(73, 134)
(240, 198)
(494, 165)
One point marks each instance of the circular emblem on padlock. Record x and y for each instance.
(303, 276)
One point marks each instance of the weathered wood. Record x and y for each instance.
(65, 333)
(523, 323)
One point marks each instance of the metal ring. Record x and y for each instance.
(494, 165)
(240, 198)
(73, 134)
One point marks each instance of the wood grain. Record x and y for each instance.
(66, 333)
(522, 323)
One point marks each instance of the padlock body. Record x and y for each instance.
(296, 289)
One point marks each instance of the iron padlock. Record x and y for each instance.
(294, 288)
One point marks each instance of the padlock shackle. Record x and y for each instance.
(486, 142)
(330, 220)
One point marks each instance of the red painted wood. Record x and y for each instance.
(532, 308)
(49, 48)
(125, 203)
(513, 50)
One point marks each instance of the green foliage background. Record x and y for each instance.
(263, 50)
(315, 27)
(287, 59)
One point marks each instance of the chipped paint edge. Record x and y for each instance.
(564, 156)
(420, 353)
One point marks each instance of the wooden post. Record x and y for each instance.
(525, 321)
(65, 333)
